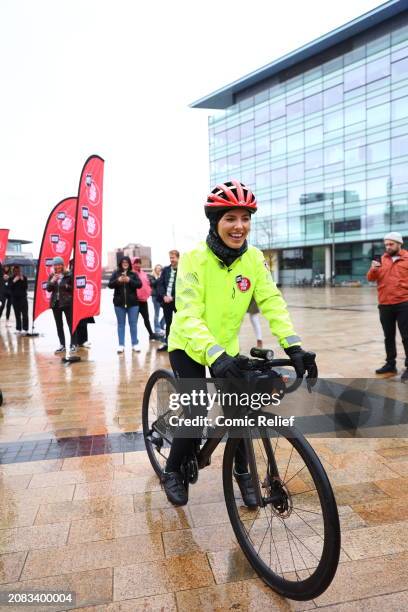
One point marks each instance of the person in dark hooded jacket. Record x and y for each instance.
(125, 283)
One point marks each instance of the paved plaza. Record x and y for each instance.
(81, 509)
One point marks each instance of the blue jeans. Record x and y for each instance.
(132, 313)
(158, 326)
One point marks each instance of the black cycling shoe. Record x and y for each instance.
(387, 369)
(163, 348)
(404, 376)
(246, 487)
(174, 488)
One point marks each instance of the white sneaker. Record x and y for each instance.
(17, 332)
(135, 348)
(24, 333)
(120, 349)
(85, 345)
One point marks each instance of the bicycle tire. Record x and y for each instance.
(154, 379)
(317, 583)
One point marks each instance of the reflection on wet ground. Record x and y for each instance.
(99, 524)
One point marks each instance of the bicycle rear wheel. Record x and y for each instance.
(155, 415)
(293, 541)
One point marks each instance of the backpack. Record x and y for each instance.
(145, 290)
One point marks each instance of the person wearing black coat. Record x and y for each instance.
(166, 292)
(18, 289)
(5, 293)
(59, 284)
(125, 283)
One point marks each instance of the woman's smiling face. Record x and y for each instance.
(234, 227)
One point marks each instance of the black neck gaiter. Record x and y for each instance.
(218, 247)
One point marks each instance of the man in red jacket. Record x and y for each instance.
(391, 275)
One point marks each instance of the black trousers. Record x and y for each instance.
(20, 306)
(58, 311)
(185, 367)
(168, 310)
(392, 315)
(6, 304)
(144, 311)
(82, 332)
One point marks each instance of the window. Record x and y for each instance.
(355, 157)
(313, 104)
(220, 139)
(355, 192)
(399, 70)
(261, 115)
(296, 172)
(234, 162)
(333, 154)
(399, 174)
(354, 113)
(378, 115)
(313, 159)
(332, 96)
(377, 187)
(378, 69)
(247, 129)
(262, 144)
(279, 176)
(378, 151)
(314, 136)
(295, 141)
(399, 146)
(294, 110)
(277, 109)
(294, 194)
(248, 149)
(333, 121)
(263, 180)
(354, 78)
(278, 146)
(399, 109)
(233, 134)
(315, 226)
(279, 203)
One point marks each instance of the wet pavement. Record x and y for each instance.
(81, 508)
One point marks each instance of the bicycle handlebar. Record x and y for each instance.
(264, 357)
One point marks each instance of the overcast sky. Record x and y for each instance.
(115, 77)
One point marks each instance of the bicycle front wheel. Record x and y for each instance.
(292, 540)
(155, 416)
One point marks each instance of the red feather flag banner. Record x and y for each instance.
(4, 233)
(58, 241)
(87, 272)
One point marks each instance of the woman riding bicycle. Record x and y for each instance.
(215, 284)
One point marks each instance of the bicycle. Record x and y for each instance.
(296, 506)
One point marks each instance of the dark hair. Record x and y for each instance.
(124, 258)
(175, 252)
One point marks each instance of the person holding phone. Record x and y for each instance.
(59, 284)
(125, 282)
(391, 276)
(18, 290)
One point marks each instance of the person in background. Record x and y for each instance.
(166, 292)
(143, 295)
(82, 332)
(59, 284)
(159, 325)
(125, 282)
(253, 312)
(6, 293)
(18, 289)
(391, 276)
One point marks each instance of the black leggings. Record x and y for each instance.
(6, 304)
(185, 367)
(58, 311)
(144, 311)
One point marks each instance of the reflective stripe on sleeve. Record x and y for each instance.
(292, 339)
(214, 349)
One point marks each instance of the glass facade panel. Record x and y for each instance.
(329, 143)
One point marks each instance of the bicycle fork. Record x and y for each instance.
(272, 473)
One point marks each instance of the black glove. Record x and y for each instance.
(226, 367)
(303, 361)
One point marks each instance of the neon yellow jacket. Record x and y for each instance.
(212, 299)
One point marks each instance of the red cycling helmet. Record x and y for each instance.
(231, 194)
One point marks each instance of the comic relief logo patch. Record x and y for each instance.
(243, 283)
(87, 291)
(65, 222)
(90, 259)
(91, 189)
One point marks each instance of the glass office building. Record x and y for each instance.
(321, 135)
